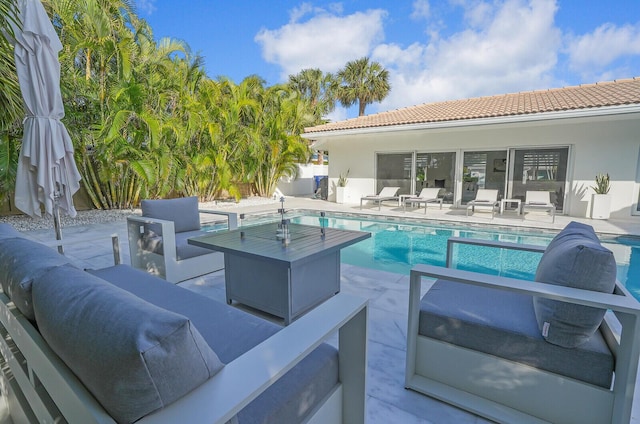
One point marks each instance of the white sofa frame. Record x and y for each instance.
(510, 392)
(167, 265)
(115, 245)
(43, 389)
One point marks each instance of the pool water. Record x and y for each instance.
(397, 247)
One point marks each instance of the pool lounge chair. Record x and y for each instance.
(426, 196)
(539, 200)
(387, 193)
(485, 199)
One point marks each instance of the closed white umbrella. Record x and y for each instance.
(47, 173)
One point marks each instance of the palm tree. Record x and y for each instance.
(318, 88)
(363, 82)
(10, 98)
(277, 147)
(11, 108)
(147, 122)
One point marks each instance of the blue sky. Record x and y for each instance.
(434, 50)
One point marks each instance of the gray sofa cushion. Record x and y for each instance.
(231, 332)
(503, 324)
(184, 250)
(132, 355)
(574, 258)
(7, 231)
(21, 261)
(182, 211)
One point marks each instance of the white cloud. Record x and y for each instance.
(326, 40)
(147, 6)
(507, 46)
(502, 46)
(421, 9)
(592, 53)
(338, 114)
(298, 13)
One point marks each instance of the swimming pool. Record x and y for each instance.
(397, 247)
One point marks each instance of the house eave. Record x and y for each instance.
(321, 136)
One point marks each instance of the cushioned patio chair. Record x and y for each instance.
(517, 351)
(485, 198)
(387, 193)
(158, 239)
(539, 201)
(426, 196)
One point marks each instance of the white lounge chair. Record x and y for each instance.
(485, 198)
(539, 200)
(387, 193)
(426, 196)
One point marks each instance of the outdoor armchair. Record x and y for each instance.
(539, 200)
(426, 196)
(476, 340)
(158, 239)
(387, 193)
(485, 198)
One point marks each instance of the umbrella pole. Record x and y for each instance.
(57, 226)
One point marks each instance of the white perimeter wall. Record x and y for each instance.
(597, 145)
(304, 183)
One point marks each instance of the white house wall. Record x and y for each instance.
(608, 144)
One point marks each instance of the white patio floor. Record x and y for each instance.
(387, 401)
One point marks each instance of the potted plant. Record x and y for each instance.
(600, 200)
(341, 188)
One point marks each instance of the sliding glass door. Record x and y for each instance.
(512, 172)
(483, 169)
(539, 170)
(636, 207)
(394, 170)
(436, 170)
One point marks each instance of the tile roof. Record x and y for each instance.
(602, 94)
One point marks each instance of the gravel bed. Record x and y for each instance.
(26, 223)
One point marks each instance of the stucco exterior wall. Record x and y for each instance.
(604, 144)
(303, 183)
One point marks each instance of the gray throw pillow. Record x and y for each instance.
(182, 211)
(21, 261)
(574, 258)
(133, 356)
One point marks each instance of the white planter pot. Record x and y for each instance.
(341, 194)
(600, 206)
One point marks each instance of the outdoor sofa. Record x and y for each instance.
(158, 239)
(120, 345)
(517, 351)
